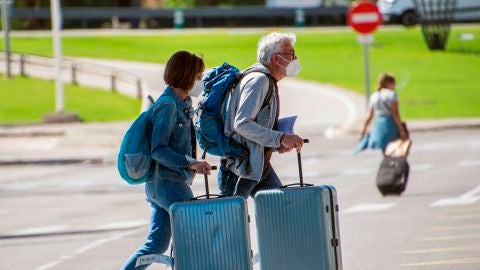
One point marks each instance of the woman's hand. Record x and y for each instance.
(403, 135)
(201, 167)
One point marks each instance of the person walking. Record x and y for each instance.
(173, 151)
(384, 109)
(254, 125)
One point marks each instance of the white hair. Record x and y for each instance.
(271, 44)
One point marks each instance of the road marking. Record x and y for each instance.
(458, 217)
(354, 172)
(453, 228)
(464, 199)
(85, 248)
(370, 207)
(469, 163)
(310, 160)
(41, 230)
(421, 167)
(445, 262)
(442, 146)
(48, 265)
(465, 210)
(437, 250)
(310, 174)
(123, 225)
(441, 238)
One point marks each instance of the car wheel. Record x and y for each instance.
(409, 18)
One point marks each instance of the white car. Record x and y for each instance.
(403, 11)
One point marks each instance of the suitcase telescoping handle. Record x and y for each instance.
(300, 170)
(207, 189)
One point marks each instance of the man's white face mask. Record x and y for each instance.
(293, 67)
(197, 89)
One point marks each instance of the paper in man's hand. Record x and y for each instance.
(286, 124)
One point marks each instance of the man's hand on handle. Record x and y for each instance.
(291, 141)
(201, 167)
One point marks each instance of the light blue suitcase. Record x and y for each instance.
(211, 234)
(297, 227)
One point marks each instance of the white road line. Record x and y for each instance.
(420, 167)
(47, 266)
(354, 172)
(310, 160)
(453, 228)
(442, 146)
(438, 250)
(84, 249)
(310, 174)
(443, 238)
(445, 262)
(464, 199)
(469, 163)
(123, 225)
(40, 230)
(370, 207)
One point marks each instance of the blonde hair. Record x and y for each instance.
(384, 80)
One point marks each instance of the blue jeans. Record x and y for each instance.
(161, 194)
(232, 185)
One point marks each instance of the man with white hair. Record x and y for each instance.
(252, 117)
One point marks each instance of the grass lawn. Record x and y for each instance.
(26, 100)
(430, 84)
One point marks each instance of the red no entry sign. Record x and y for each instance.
(364, 17)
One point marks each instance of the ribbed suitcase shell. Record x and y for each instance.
(294, 228)
(211, 234)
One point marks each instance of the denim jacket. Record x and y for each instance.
(171, 139)
(249, 123)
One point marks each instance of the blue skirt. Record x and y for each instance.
(383, 131)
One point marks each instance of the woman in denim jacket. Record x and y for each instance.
(173, 149)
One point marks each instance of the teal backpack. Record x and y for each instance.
(134, 160)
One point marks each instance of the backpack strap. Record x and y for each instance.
(271, 83)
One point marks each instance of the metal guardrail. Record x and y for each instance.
(76, 67)
(198, 14)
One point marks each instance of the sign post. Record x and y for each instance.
(57, 50)
(364, 18)
(6, 37)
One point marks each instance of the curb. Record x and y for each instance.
(426, 125)
(55, 161)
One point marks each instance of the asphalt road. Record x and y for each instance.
(84, 217)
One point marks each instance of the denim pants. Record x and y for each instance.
(161, 194)
(232, 185)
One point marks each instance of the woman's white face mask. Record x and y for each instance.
(197, 89)
(293, 67)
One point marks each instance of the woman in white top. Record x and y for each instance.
(384, 107)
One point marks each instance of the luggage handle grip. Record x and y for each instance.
(300, 171)
(210, 196)
(297, 184)
(207, 190)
